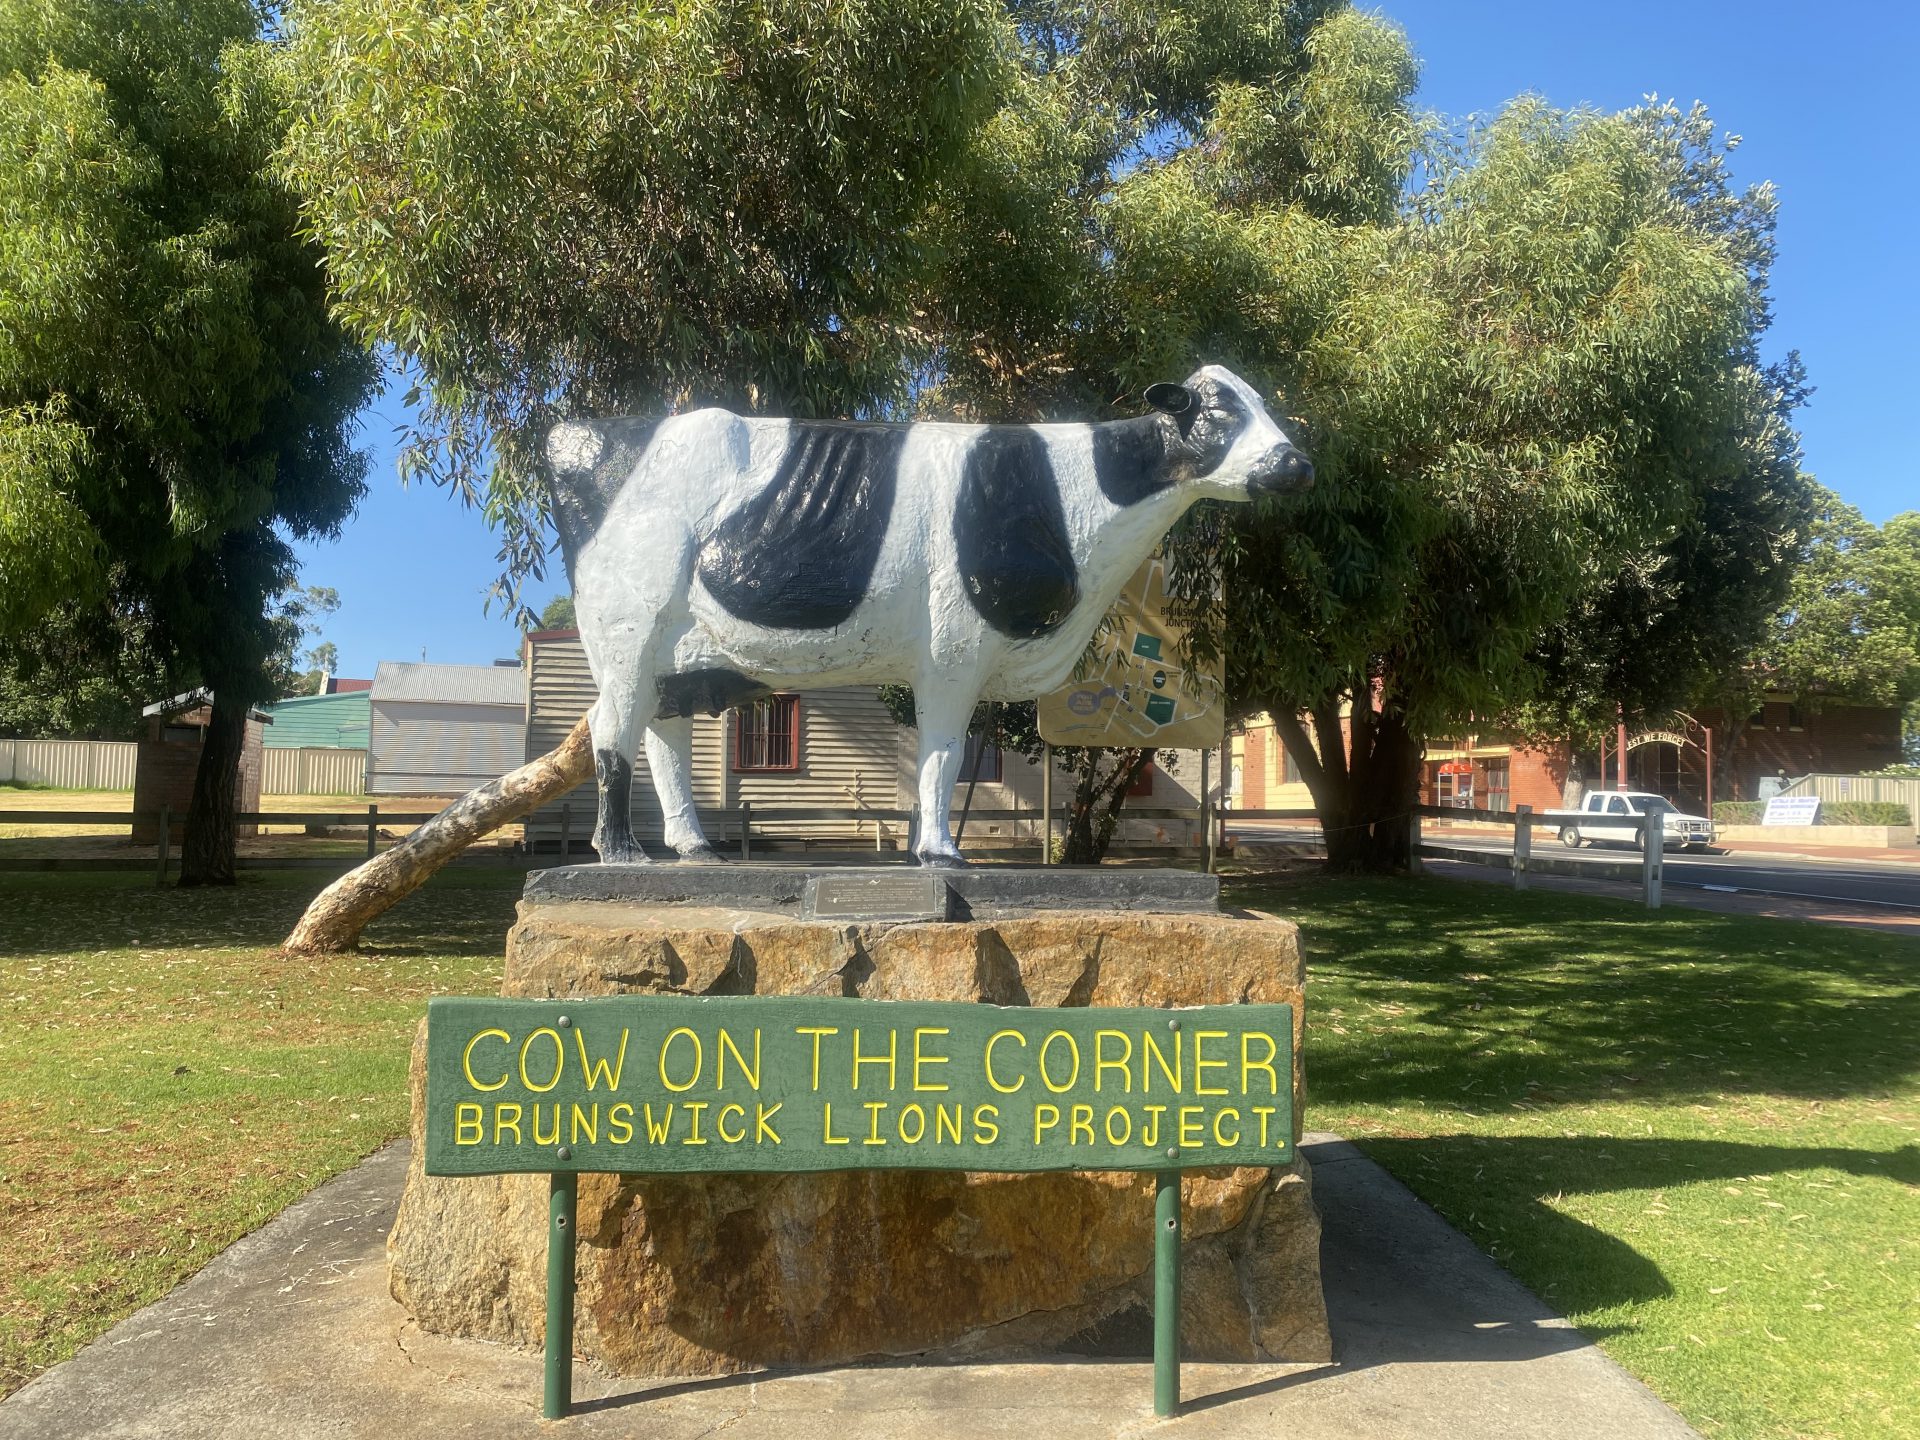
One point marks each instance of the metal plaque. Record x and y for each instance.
(693, 1084)
(905, 894)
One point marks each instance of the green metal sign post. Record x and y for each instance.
(775, 1084)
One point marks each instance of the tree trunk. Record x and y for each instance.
(1097, 803)
(339, 913)
(207, 854)
(1364, 776)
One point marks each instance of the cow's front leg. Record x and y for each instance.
(670, 758)
(612, 723)
(943, 711)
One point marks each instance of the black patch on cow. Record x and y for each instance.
(1015, 558)
(705, 692)
(581, 498)
(1209, 427)
(1130, 458)
(613, 834)
(800, 554)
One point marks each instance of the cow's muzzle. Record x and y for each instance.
(1280, 470)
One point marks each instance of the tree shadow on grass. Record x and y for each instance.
(1471, 997)
(456, 913)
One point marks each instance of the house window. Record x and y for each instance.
(988, 757)
(1498, 784)
(766, 734)
(1142, 786)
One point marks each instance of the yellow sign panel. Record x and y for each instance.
(1139, 691)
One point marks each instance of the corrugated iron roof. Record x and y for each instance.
(450, 684)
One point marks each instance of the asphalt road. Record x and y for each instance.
(1893, 884)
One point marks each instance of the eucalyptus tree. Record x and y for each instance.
(1509, 350)
(175, 401)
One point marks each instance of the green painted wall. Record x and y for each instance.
(341, 721)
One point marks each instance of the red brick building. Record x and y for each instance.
(168, 759)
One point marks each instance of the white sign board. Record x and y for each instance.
(1793, 810)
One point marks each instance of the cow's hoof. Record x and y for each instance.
(943, 862)
(702, 855)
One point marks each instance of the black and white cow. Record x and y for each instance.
(716, 557)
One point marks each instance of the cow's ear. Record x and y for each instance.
(1170, 399)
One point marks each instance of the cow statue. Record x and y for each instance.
(717, 557)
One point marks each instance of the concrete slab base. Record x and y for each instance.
(291, 1334)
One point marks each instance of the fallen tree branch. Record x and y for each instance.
(339, 913)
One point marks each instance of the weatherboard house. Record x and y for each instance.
(443, 729)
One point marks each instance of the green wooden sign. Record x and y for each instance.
(773, 1083)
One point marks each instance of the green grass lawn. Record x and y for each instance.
(1697, 1135)
(1694, 1133)
(168, 1082)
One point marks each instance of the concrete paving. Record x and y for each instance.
(291, 1334)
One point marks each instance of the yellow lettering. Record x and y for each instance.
(720, 1121)
(763, 1121)
(995, 1040)
(874, 1107)
(467, 1118)
(554, 1138)
(506, 1117)
(1079, 1118)
(1151, 1135)
(919, 1124)
(620, 1131)
(559, 1059)
(1193, 1132)
(941, 1121)
(1073, 1048)
(693, 1109)
(1263, 1111)
(1247, 1063)
(598, 1070)
(587, 1120)
(826, 1127)
(466, 1060)
(986, 1128)
(919, 1059)
(1126, 1128)
(1102, 1064)
(751, 1072)
(893, 1050)
(816, 1031)
(1150, 1046)
(1233, 1139)
(657, 1134)
(699, 1056)
(1201, 1064)
(1045, 1118)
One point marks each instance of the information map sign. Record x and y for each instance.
(1138, 692)
(774, 1083)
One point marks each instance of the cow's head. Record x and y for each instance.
(1224, 441)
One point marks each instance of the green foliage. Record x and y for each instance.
(1850, 629)
(557, 614)
(1832, 812)
(84, 673)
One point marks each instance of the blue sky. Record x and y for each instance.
(1819, 95)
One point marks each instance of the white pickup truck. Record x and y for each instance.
(1606, 815)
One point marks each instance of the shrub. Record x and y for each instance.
(1832, 812)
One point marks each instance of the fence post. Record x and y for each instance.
(1046, 804)
(1206, 809)
(1522, 845)
(746, 830)
(566, 832)
(1413, 842)
(1653, 845)
(373, 828)
(166, 834)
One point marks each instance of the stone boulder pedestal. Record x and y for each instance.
(700, 1275)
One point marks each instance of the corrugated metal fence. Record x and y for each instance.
(314, 770)
(1886, 788)
(69, 764)
(108, 765)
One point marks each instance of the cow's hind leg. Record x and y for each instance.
(614, 722)
(670, 758)
(944, 707)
